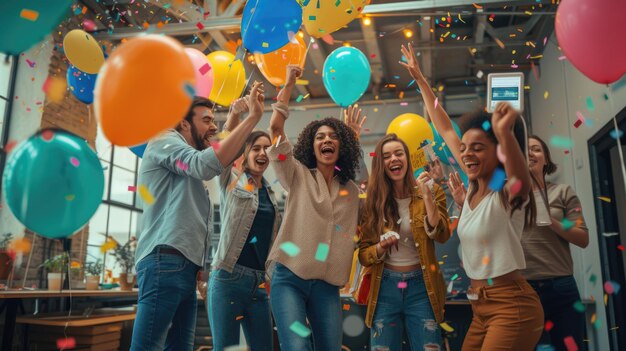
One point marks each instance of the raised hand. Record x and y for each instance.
(424, 181)
(352, 117)
(411, 63)
(293, 73)
(503, 118)
(240, 105)
(457, 188)
(256, 101)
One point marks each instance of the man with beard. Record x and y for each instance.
(176, 224)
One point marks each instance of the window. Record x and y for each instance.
(120, 212)
(8, 67)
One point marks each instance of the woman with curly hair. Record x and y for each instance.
(407, 292)
(312, 255)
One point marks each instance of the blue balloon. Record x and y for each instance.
(81, 84)
(266, 24)
(26, 22)
(139, 149)
(442, 151)
(346, 75)
(53, 183)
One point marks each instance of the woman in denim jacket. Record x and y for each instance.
(251, 219)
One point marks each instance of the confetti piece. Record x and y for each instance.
(561, 142)
(616, 134)
(200, 25)
(477, 6)
(238, 318)
(605, 199)
(299, 98)
(436, 102)
(485, 260)
(204, 69)
(593, 278)
(265, 45)
(89, 25)
(570, 343)
(253, 240)
(577, 123)
(20, 245)
(31, 64)
(70, 197)
(346, 307)
(66, 343)
(454, 277)
(281, 157)
(486, 126)
(567, 224)
(549, 325)
(490, 282)
(322, 252)
(249, 188)
(620, 247)
(313, 18)
(145, 194)
(302, 82)
(500, 154)
(290, 248)
(561, 58)
(372, 154)
(611, 287)
(182, 165)
(343, 192)
(54, 88)
(189, 90)
(74, 161)
(590, 105)
(300, 329)
(30, 15)
(338, 169)
(132, 188)
(578, 306)
(497, 179)
(363, 196)
(545, 95)
(110, 244)
(404, 104)
(446, 327)
(402, 285)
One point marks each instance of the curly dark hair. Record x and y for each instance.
(349, 148)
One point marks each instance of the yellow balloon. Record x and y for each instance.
(412, 129)
(83, 51)
(229, 77)
(322, 17)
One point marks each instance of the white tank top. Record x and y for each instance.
(491, 238)
(407, 254)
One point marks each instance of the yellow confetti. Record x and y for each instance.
(536, 57)
(446, 327)
(265, 45)
(30, 15)
(460, 19)
(545, 95)
(223, 134)
(302, 82)
(55, 89)
(362, 195)
(145, 194)
(528, 13)
(606, 299)
(110, 244)
(593, 318)
(604, 198)
(20, 245)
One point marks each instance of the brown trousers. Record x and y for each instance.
(506, 316)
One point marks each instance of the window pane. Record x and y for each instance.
(135, 219)
(94, 254)
(119, 185)
(5, 76)
(124, 158)
(98, 226)
(119, 224)
(3, 105)
(107, 169)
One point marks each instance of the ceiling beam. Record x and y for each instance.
(433, 4)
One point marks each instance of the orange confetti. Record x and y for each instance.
(262, 286)
(249, 187)
(20, 245)
(75, 264)
(343, 192)
(346, 307)
(486, 260)
(54, 88)
(238, 318)
(146, 25)
(30, 15)
(453, 224)
(477, 6)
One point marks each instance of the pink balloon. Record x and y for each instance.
(203, 70)
(590, 33)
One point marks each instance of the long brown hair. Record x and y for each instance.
(380, 204)
(247, 146)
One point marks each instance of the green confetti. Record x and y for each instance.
(290, 248)
(300, 329)
(312, 18)
(337, 3)
(578, 306)
(300, 97)
(590, 105)
(322, 252)
(490, 281)
(567, 224)
(561, 142)
(455, 276)
(597, 324)
(337, 227)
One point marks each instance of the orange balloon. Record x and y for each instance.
(274, 64)
(145, 87)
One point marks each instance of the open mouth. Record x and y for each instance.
(327, 150)
(471, 165)
(261, 161)
(395, 169)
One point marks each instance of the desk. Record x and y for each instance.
(12, 298)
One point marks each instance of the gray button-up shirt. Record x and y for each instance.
(180, 215)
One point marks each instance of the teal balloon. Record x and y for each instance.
(24, 23)
(444, 152)
(53, 183)
(346, 75)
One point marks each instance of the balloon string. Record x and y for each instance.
(30, 256)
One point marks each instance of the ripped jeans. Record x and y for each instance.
(400, 310)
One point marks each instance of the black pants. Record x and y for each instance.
(558, 296)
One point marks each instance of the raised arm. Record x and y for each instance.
(516, 167)
(281, 112)
(237, 108)
(352, 117)
(437, 114)
(231, 145)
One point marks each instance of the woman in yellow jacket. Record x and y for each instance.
(402, 219)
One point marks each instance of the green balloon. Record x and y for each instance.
(24, 23)
(53, 183)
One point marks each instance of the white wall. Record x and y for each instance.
(26, 114)
(568, 90)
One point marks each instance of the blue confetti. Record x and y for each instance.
(497, 180)
(190, 90)
(616, 134)
(396, 77)
(486, 126)
(411, 83)
(253, 240)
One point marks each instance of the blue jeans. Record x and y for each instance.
(294, 301)
(166, 311)
(558, 296)
(404, 310)
(236, 299)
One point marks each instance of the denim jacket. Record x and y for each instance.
(238, 209)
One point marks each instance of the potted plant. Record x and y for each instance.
(55, 266)
(93, 271)
(125, 257)
(6, 261)
(76, 276)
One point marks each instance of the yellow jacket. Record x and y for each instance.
(433, 278)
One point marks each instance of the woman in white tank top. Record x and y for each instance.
(507, 311)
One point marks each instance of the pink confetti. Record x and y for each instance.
(328, 39)
(30, 63)
(315, 46)
(75, 162)
(66, 343)
(500, 154)
(516, 187)
(451, 160)
(402, 285)
(545, 40)
(180, 164)
(514, 66)
(132, 188)
(570, 343)
(561, 58)
(204, 69)
(404, 104)
(608, 287)
(215, 145)
(436, 102)
(89, 25)
(338, 169)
